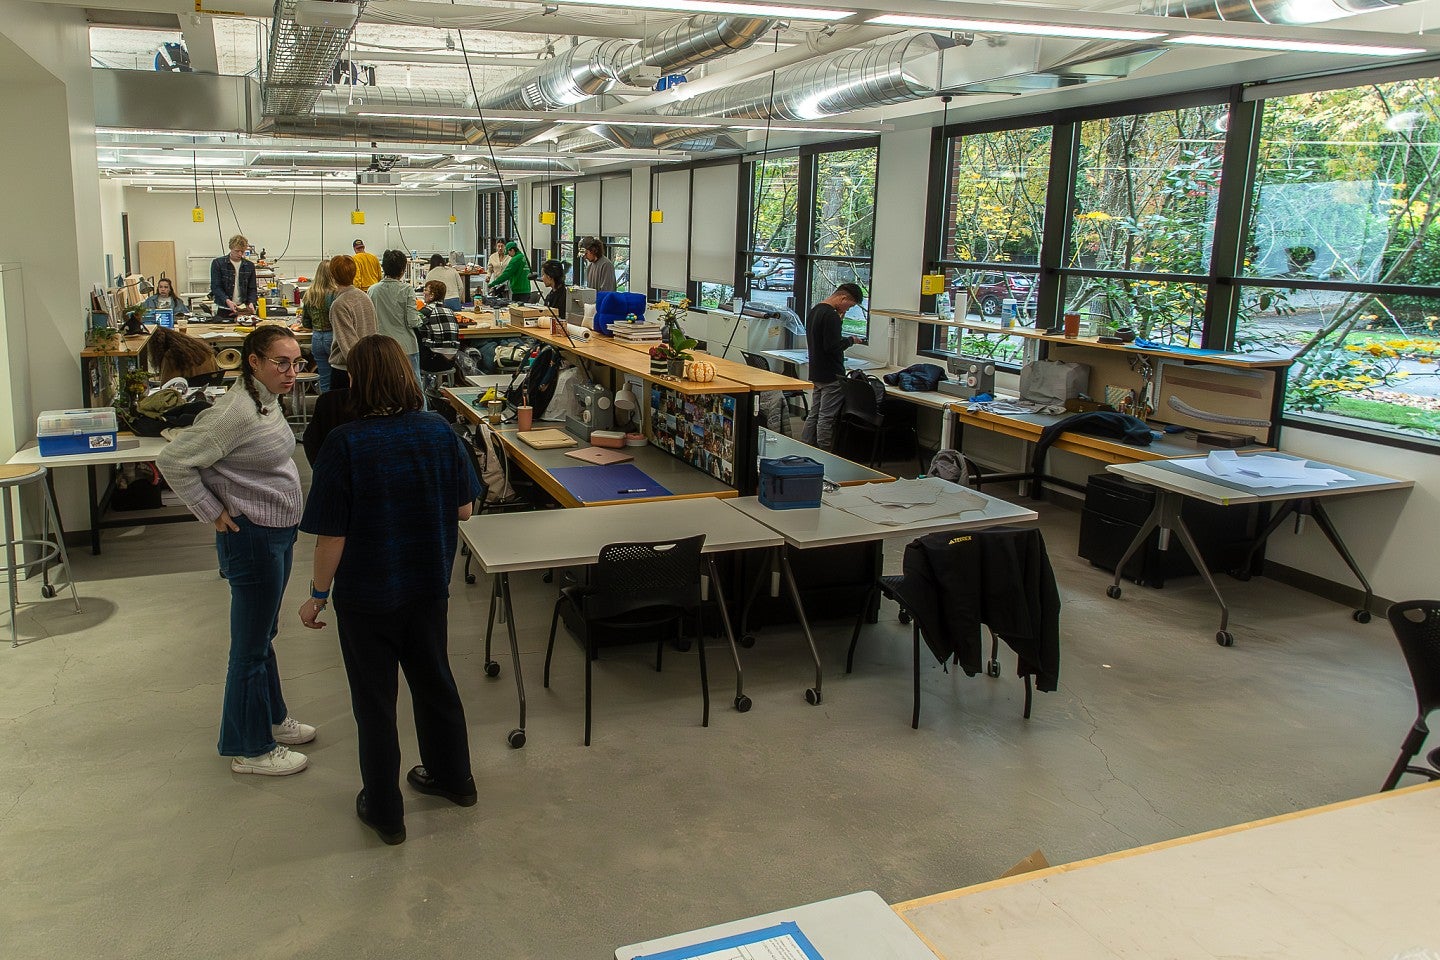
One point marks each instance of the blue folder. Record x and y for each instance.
(616, 481)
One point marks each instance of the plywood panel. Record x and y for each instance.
(156, 258)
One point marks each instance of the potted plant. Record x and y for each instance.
(104, 338)
(660, 356)
(680, 347)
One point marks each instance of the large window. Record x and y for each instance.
(1346, 215)
(1307, 225)
(994, 220)
(812, 228)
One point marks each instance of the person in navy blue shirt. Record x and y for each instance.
(388, 491)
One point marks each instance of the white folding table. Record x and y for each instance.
(508, 543)
(829, 526)
(128, 449)
(1173, 483)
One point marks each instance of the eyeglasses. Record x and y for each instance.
(285, 364)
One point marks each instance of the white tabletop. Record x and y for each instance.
(508, 542)
(802, 357)
(127, 450)
(774, 445)
(1354, 879)
(923, 398)
(1166, 476)
(858, 926)
(829, 526)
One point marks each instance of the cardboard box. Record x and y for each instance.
(522, 312)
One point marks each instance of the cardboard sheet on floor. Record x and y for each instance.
(619, 481)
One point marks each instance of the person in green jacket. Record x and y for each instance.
(516, 273)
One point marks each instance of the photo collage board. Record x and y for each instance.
(698, 429)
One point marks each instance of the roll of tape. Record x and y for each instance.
(228, 359)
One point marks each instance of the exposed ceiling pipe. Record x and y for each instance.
(695, 41)
(299, 62)
(330, 115)
(872, 76)
(1288, 12)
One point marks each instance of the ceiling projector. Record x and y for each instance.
(326, 14)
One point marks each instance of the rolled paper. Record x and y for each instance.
(579, 333)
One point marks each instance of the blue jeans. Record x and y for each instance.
(419, 380)
(320, 342)
(256, 561)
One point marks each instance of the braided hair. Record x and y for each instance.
(257, 343)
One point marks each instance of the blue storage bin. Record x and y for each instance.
(791, 483)
(68, 432)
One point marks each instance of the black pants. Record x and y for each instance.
(413, 638)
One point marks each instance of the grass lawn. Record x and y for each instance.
(1408, 417)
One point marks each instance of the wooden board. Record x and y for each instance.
(156, 258)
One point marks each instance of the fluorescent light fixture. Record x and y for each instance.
(1293, 46)
(723, 6)
(1009, 26)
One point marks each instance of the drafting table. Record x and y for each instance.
(838, 470)
(801, 358)
(1173, 484)
(829, 526)
(511, 542)
(1347, 880)
(858, 926)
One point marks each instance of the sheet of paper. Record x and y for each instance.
(1259, 471)
(902, 492)
(950, 502)
(784, 941)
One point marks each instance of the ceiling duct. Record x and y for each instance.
(1288, 12)
(330, 116)
(872, 76)
(695, 41)
(300, 60)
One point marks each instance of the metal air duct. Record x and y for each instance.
(1289, 12)
(872, 76)
(693, 42)
(329, 115)
(299, 62)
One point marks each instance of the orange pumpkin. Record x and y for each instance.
(701, 371)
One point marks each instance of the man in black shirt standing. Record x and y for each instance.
(827, 362)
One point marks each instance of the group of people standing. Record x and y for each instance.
(391, 483)
(353, 296)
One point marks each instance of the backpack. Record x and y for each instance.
(492, 465)
(536, 383)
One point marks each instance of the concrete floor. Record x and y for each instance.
(122, 834)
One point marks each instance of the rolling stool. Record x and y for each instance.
(300, 416)
(11, 479)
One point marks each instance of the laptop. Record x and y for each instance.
(547, 439)
(600, 456)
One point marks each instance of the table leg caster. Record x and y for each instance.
(492, 669)
(1113, 591)
(1361, 616)
(516, 739)
(1225, 638)
(812, 696)
(743, 704)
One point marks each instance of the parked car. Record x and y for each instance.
(776, 275)
(989, 291)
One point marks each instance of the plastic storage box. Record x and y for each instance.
(791, 483)
(66, 432)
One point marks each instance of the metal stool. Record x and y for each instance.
(11, 479)
(301, 414)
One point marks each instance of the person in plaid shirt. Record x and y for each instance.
(439, 330)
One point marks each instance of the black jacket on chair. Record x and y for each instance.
(1000, 577)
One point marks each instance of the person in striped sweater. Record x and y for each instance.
(235, 469)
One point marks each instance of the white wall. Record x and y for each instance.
(304, 237)
(112, 236)
(640, 230)
(49, 208)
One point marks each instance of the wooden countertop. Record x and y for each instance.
(611, 354)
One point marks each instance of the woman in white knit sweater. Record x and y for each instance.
(235, 469)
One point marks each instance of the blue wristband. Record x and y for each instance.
(318, 594)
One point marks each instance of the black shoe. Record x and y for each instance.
(422, 781)
(390, 836)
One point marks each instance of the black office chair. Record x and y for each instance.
(915, 593)
(862, 414)
(1417, 627)
(761, 363)
(635, 588)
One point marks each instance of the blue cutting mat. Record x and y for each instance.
(616, 481)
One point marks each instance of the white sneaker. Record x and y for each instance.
(280, 762)
(292, 731)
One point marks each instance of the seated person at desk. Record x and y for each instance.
(600, 274)
(448, 275)
(552, 275)
(439, 333)
(232, 282)
(516, 275)
(827, 363)
(164, 299)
